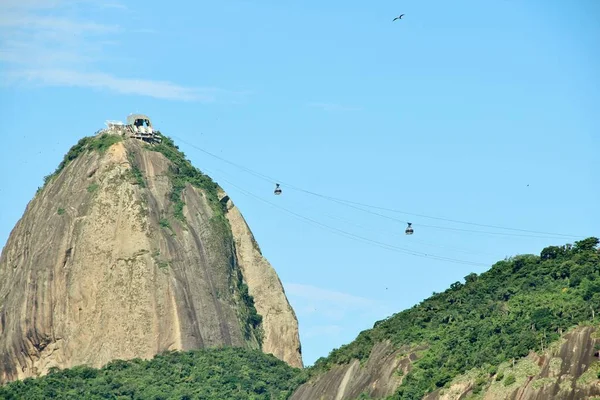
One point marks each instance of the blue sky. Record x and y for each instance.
(450, 112)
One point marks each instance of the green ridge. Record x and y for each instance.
(517, 305)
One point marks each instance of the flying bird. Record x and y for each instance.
(400, 17)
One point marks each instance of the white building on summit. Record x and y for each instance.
(138, 126)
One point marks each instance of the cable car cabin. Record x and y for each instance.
(409, 230)
(140, 127)
(277, 189)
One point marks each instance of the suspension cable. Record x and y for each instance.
(354, 205)
(351, 235)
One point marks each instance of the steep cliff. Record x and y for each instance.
(127, 251)
(279, 320)
(458, 344)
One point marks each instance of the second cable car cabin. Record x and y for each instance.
(409, 230)
(277, 190)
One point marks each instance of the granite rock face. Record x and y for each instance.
(98, 269)
(377, 378)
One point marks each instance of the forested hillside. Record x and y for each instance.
(212, 374)
(520, 304)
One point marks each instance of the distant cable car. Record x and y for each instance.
(277, 189)
(409, 230)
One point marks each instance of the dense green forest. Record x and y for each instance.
(520, 304)
(214, 374)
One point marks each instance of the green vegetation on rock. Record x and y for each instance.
(591, 375)
(517, 305)
(510, 379)
(182, 173)
(252, 318)
(135, 171)
(99, 143)
(540, 383)
(211, 374)
(92, 188)
(164, 223)
(160, 263)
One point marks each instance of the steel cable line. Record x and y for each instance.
(439, 227)
(349, 203)
(353, 204)
(342, 201)
(353, 236)
(360, 238)
(395, 233)
(412, 240)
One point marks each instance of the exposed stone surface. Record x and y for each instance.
(279, 320)
(97, 269)
(379, 377)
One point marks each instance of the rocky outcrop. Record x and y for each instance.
(567, 371)
(280, 325)
(378, 378)
(99, 269)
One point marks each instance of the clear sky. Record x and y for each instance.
(478, 111)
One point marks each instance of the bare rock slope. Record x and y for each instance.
(568, 370)
(279, 320)
(126, 252)
(377, 378)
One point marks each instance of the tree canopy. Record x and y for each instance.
(211, 374)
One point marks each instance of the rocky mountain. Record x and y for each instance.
(128, 251)
(462, 343)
